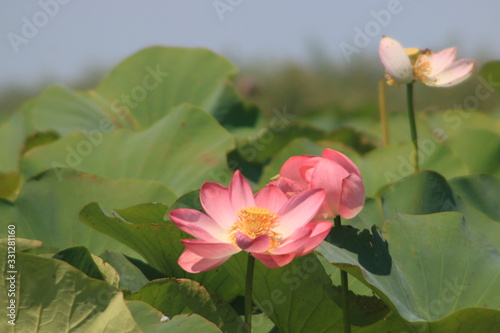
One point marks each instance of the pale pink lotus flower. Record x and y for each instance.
(334, 172)
(272, 227)
(433, 69)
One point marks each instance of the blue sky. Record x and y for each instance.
(67, 37)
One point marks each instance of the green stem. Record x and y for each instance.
(248, 293)
(345, 290)
(413, 126)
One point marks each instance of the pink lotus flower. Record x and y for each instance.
(333, 172)
(273, 228)
(433, 69)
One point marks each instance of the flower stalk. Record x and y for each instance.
(344, 282)
(248, 293)
(413, 125)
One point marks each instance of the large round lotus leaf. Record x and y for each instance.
(384, 166)
(48, 206)
(174, 151)
(424, 192)
(178, 296)
(478, 200)
(57, 109)
(53, 296)
(152, 81)
(480, 191)
(441, 271)
(479, 149)
(153, 321)
(427, 192)
(450, 123)
(139, 92)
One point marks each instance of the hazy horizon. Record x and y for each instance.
(49, 41)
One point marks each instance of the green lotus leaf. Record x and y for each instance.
(60, 299)
(183, 296)
(425, 288)
(153, 321)
(174, 151)
(48, 205)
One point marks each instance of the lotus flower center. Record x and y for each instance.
(422, 68)
(255, 222)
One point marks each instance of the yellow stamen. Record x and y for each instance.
(255, 222)
(421, 68)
